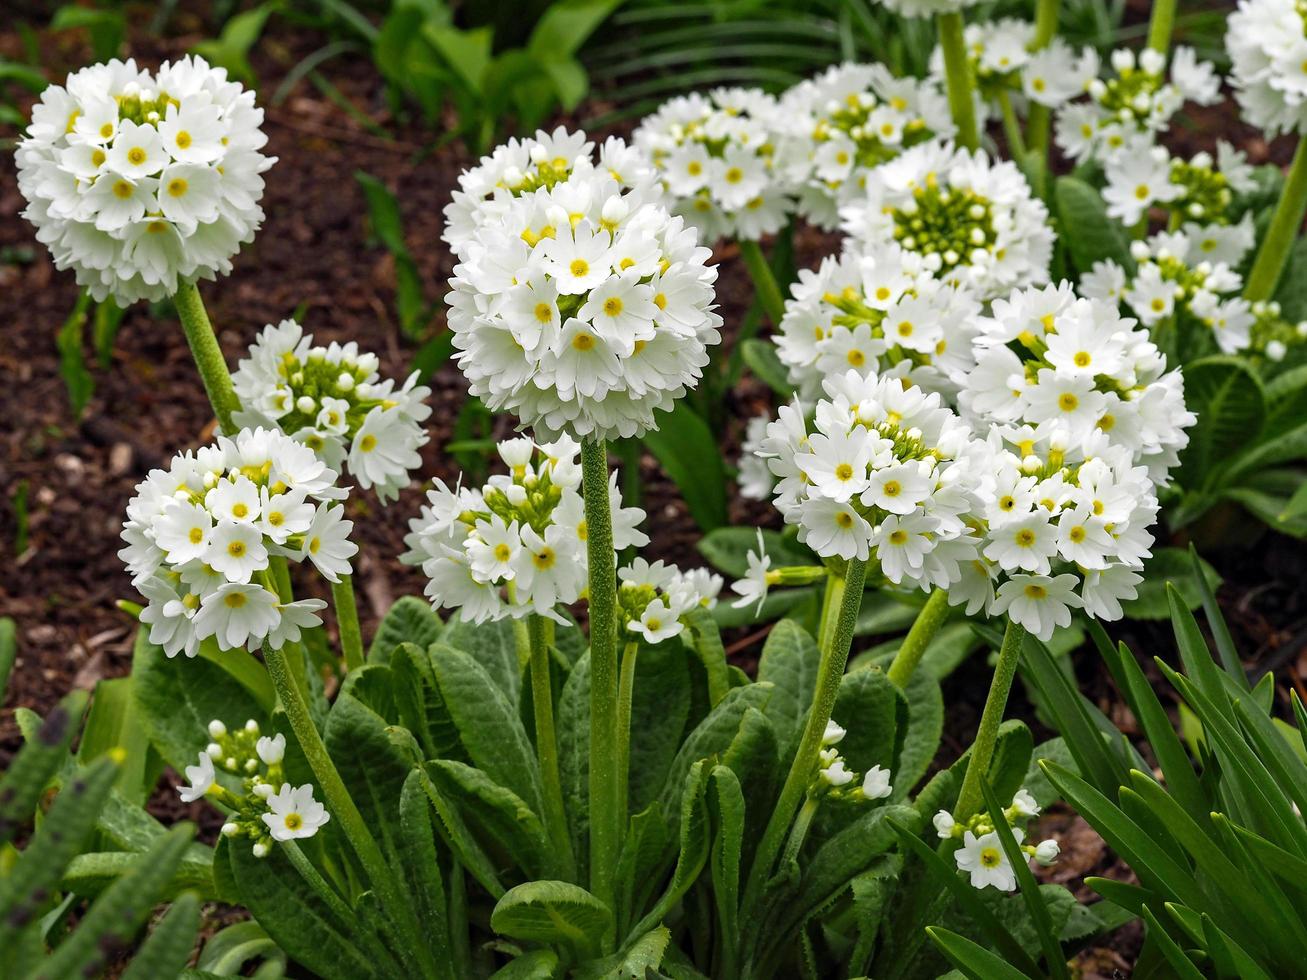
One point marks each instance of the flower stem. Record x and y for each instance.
(831, 600)
(971, 797)
(830, 671)
(540, 631)
(207, 353)
(339, 802)
(605, 821)
(799, 833)
(1285, 223)
(1016, 144)
(1160, 25)
(923, 630)
(1037, 121)
(625, 692)
(957, 74)
(347, 619)
(764, 282)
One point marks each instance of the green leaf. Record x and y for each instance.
(565, 26)
(535, 964)
(72, 363)
(106, 28)
(925, 728)
(974, 962)
(789, 663)
(388, 226)
(231, 48)
(1228, 398)
(694, 847)
(727, 549)
(409, 620)
(1168, 565)
(112, 726)
(36, 763)
(1086, 230)
(228, 950)
(553, 912)
(726, 803)
(169, 945)
(1183, 966)
(494, 646)
(760, 355)
(573, 724)
(8, 650)
(660, 708)
(689, 454)
(419, 868)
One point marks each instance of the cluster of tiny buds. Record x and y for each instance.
(1268, 316)
(981, 854)
(240, 752)
(836, 781)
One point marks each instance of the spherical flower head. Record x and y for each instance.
(140, 181)
(293, 813)
(517, 545)
(522, 166)
(716, 160)
(877, 311)
(1004, 62)
(1202, 189)
(834, 129)
(1064, 525)
(200, 535)
(971, 220)
(883, 474)
(1074, 368)
(583, 311)
(1264, 39)
(1134, 103)
(333, 400)
(653, 599)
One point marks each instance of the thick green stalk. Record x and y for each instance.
(1037, 121)
(831, 599)
(764, 282)
(207, 353)
(1285, 223)
(542, 703)
(605, 821)
(971, 797)
(1016, 144)
(347, 619)
(1160, 25)
(830, 671)
(924, 628)
(625, 694)
(957, 75)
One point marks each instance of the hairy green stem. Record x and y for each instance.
(764, 282)
(625, 693)
(799, 832)
(605, 821)
(540, 631)
(957, 75)
(1286, 221)
(971, 797)
(1160, 25)
(347, 619)
(1016, 144)
(1037, 120)
(924, 627)
(830, 671)
(207, 353)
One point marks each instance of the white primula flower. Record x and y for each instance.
(715, 156)
(271, 749)
(201, 776)
(333, 400)
(972, 221)
(1265, 41)
(634, 301)
(834, 733)
(1046, 851)
(926, 8)
(294, 814)
(876, 783)
(984, 860)
(142, 182)
(753, 588)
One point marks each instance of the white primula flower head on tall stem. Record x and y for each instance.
(973, 221)
(138, 181)
(522, 166)
(1201, 189)
(333, 400)
(834, 129)
(877, 311)
(517, 545)
(715, 156)
(583, 311)
(1074, 368)
(1135, 103)
(1267, 44)
(201, 534)
(884, 473)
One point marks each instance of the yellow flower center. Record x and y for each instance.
(579, 268)
(234, 600)
(368, 443)
(734, 175)
(182, 139)
(1025, 537)
(240, 510)
(1036, 591)
(1068, 402)
(544, 312)
(236, 549)
(844, 519)
(106, 130)
(856, 358)
(898, 537)
(196, 535)
(892, 488)
(136, 156)
(612, 306)
(544, 558)
(122, 189)
(503, 552)
(177, 187)
(694, 168)
(583, 342)
(844, 472)
(293, 821)
(1081, 358)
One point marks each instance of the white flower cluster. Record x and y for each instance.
(652, 599)
(522, 166)
(1201, 189)
(876, 311)
(581, 312)
(981, 855)
(333, 400)
(1135, 104)
(926, 8)
(974, 221)
(264, 812)
(138, 181)
(1267, 44)
(1174, 288)
(715, 155)
(517, 545)
(1073, 367)
(1058, 516)
(836, 781)
(832, 130)
(200, 535)
(1004, 62)
(885, 473)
